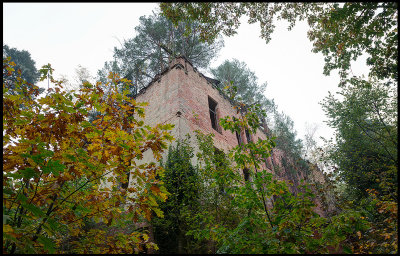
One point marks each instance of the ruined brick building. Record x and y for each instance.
(182, 96)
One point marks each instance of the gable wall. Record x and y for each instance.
(180, 97)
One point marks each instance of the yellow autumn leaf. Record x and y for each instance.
(7, 228)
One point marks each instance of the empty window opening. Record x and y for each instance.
(220, 160)
(212, 105)
(248, 136)
(239, 138)
(246, 174)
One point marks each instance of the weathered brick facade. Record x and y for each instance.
(180, 96)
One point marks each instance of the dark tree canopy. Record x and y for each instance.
(365, 118)
(243, 83)
(24, 63)
(242, 77)
(182, 182)
(286, 135)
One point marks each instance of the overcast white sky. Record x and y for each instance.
(68, 34)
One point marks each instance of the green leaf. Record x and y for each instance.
(124, 145)
(22, 198)
(28, 173)
(53, 167)
(70, 157)
(22, 121)
(54, 225)
(8, 191)
(79, 104)
(48, 243)
(86, 124)
(80, 208)
(34, 209)
(347, 250)
(16, 175)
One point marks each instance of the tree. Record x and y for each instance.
(239, 219)
(82, 75)
(310, 144)
(314, 152)
(286, 135)
(243, 81)
(341, 32)
(182, 183)
(365, 157)
(242, 77)
(237, 80)
(24, 63)
(56, 167)
(156, 43)
(366, 127)
(366, 140)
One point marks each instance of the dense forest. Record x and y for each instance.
(69, 153)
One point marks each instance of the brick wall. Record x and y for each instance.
(180, 96)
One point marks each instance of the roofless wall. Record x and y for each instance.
(182, 96)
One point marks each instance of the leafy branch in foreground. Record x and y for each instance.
(62, 172)
(256, 213)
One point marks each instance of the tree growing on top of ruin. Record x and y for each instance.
(158, 41)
